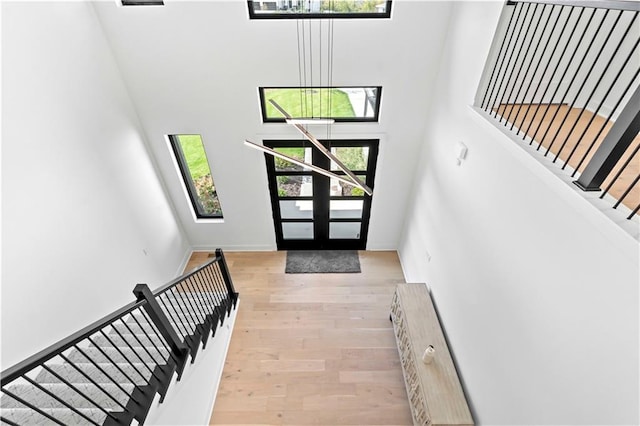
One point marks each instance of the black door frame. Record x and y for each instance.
(321, 196)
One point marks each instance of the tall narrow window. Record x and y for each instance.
(196, 173)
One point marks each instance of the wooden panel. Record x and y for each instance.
(587, 127)
(434, 390)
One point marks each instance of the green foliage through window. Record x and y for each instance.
(350, 6)
(192, 159)
(355, 104)
(354, 158)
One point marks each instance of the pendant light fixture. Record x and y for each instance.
(295, 161)
(300, 123)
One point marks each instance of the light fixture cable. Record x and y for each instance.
(299, 62)
(329, 71)
(306, 81)
(311, 65)
(320, 65)
(304, 68)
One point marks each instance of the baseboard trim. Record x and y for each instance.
(241, 247)
(184, 262)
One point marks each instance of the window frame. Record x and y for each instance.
(187, 181)
(141, 2)
(322, 223)
(376, 108)
(351, 15)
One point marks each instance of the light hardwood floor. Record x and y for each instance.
(545, 124)
(312, 348)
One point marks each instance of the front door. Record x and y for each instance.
(312, 211)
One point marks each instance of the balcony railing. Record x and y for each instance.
(563, 76)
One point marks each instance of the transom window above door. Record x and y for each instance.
(343, 104)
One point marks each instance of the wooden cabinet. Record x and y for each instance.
(434, 390)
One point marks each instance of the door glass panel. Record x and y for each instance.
(297, 230)
(353, 157)
(345, 209)
(301, 154)
(296, 209)
(342, 189)
(295, 186)
(312, 212)
(344, 230)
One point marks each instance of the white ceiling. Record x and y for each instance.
(194, 67)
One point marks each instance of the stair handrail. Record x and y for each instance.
(11, 373)
(138, 400)
(218, 258)
(39, 358)
(204, 295)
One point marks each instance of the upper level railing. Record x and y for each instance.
(109, 372)
(563, 76)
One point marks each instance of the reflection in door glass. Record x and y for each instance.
(296, 209)
(297, 230)
(301, 154)
(345, 209)
(344, 230)
(295, 186)
(342, 189)
(353, 157)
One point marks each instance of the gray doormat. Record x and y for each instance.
(322, 261)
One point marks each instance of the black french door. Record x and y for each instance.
(313, 211)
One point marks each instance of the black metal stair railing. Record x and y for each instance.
(189, 308)
(563, 75)
(109, 372)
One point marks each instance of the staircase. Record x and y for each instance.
(110, 372)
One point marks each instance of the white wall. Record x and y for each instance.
(537, 290)
(195, 67)
(84, 214)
